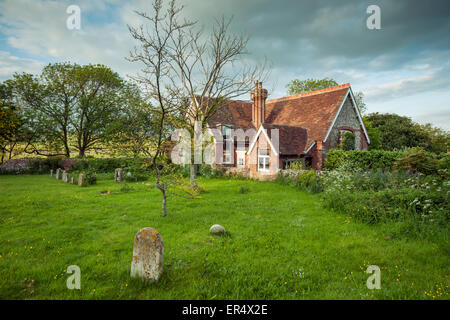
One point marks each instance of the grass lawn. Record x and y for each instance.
(282, 245)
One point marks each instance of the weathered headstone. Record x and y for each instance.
(148, 253)
(118, 175)
(58, 173)
(217, 229)
(65, 176)
(81, 180)
(71, 180)
(51, 172)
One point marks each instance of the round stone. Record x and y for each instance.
(217, 229)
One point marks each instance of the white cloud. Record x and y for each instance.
(11, 64)
(38, 28)
(430, 81)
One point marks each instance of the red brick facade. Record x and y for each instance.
(307, 126)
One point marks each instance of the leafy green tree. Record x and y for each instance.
(374, 135)
(359, 99)
(298, 86)
(398, 132)
(98, 102)
(439, 139)
(137, 124)
(68, 107)
(10, 123)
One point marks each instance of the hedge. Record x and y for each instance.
(413, 158)
(99, 165)
(363, 159)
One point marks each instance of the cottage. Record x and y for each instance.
(263, 137)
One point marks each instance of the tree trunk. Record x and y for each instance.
(66, 143)
(164, 202)
(193, 176)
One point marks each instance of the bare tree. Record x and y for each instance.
(157, 79)
(186, 74)
(210, 69)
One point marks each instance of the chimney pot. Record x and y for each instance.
(258, 96)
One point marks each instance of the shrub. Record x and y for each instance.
(420, 201)
(347, 141)
(206, 171)
(80, 166)
(417, 160)
(309, 182)
(90, 177)
(297, 165)
(137, 171)
(304, 180)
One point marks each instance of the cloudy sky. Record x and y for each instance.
(402, 68)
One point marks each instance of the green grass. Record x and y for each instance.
(282, 244)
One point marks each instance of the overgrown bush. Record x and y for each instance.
(417, 160)
(304, 180)
(373, 196)
(297, 165)
(138, 170)
(80, 166)
(90, 177)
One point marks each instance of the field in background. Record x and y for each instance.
(282, 245)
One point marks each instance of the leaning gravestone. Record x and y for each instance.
(118, 175)
(51, 172)
(148, 253)
(65, 176)
(81, 180)
(58, 173)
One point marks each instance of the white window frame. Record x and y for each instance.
(240, 155)
(227, 139)
(227, 157)
(263, 157)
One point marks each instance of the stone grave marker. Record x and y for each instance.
(148, 253)
(81, 180)
(118, 175)
(65, 176)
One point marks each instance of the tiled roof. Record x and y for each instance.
(306, 116)
(314, 111)
(236, 113)
(292, 139)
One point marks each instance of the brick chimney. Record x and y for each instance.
(258, 96)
